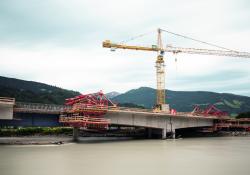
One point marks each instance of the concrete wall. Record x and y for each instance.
(6, 111)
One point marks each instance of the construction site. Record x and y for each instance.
(79, 116)
(154, 87)
(95, 112)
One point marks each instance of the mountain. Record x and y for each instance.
(144, 97)
(184, 101)
(112, 94)
(30, 91)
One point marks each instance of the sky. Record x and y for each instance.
(59, 42)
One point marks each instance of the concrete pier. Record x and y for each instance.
(75, 134)
(149, 133)
(172, 131)
(164, 133)
(173, 134)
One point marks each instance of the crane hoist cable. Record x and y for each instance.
(176, 34)
(135, 37)
(175, 59)
(196, 40)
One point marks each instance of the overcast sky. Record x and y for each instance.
(60, 43)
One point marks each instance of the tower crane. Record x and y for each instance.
(160, 67)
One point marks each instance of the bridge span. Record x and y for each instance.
(121, 116)
(166, 122)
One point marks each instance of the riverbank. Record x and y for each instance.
(234, 133)
(63, 135)
(57, 140)
(65, 139)
(35, 140)
(33, 131)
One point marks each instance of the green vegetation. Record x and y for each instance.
(29, 131)
(144, 97)
(243, 115)
(219, 103)
(233, 104)
(29, 91)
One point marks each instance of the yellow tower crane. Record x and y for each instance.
(160, 67)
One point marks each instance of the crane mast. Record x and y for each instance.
(160, 66)
(160, 76)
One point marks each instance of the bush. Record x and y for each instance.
(243, 115)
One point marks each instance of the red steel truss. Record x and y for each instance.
(87, 111)
(236, 124)
(211, 110)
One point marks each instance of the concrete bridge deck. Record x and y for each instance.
(166, 122)
(127, 117)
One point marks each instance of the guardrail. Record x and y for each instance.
(133, 109)
(57, 109)
(52, 108)
(92, 120)
(37, 107)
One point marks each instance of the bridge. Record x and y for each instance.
(167, 123)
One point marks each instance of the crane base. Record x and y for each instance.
(162, 108)
(165, 108)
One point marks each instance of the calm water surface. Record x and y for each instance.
(200, 156)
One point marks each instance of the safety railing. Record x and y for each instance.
(84, 119)
(21, 106)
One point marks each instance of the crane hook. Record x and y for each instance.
(175, 59)
(112, 49)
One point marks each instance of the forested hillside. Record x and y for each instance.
(30, 91)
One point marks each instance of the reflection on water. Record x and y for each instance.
(201, 156)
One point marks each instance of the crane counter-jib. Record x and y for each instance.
(108, 44)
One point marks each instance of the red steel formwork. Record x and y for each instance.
(87, 111)
(236, 124)
(211, 110)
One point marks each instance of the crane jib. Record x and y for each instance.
(176, 50)
(207, 52)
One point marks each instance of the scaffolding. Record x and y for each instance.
(87, 111)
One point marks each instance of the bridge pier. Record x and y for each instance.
(75, 134)
(149, 133)
(173, 134)
(164, 133)
(170, 133)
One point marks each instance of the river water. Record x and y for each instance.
(199, 156)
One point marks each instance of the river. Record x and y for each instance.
(192, 156)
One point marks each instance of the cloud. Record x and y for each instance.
(59, 42)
